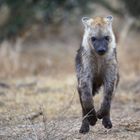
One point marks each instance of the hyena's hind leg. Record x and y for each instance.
(89, 114)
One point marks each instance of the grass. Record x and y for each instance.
(39, 100)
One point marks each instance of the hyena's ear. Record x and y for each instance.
(109, 19)
(85, 21)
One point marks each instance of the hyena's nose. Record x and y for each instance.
(101, 51)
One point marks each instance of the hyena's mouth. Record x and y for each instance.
(101, 51)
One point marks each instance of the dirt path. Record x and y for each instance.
(62, 106)
(126, 126)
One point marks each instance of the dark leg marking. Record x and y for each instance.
(89, 114)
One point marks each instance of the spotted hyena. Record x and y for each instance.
(96, 66)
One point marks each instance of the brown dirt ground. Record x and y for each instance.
(38, 108)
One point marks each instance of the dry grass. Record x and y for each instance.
(48, 108)
(39, 101)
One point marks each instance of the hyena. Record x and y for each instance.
(96, 66)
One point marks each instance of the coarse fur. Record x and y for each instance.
(96, 66)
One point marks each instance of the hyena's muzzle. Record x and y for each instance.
(100, 44)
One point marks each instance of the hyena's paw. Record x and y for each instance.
(92, 118)
(101, 113)
(107, 122)
(84, 127)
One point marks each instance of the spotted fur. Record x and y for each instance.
(94, 71)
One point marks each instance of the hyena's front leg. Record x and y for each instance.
(104, 112)
(89, 114)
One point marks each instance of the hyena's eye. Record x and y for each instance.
(93, 38)
(107, 38)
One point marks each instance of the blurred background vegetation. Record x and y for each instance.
(38, 43)
(20, 15)
(35, 35)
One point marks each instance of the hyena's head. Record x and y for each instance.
(98, 34)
